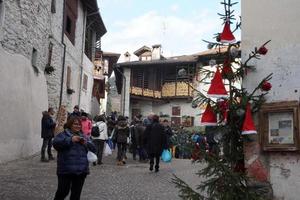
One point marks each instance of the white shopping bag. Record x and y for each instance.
(91, 157)
(107, 150)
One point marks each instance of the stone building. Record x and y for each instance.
(75, 39)
(35, 38)
(273, 154)
(104, 62)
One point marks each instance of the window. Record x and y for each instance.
(85, 82)
(53, 6)
(70, 19)
(69, 77)
(137, 78)
(106, 65)
(69, 25)
(34, 57)
(176, 110)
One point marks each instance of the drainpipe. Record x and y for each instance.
(82, 53)
(64, 56)
(124, 88)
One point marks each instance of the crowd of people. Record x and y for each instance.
(145, 138)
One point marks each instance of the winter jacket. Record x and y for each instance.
(155, 138)
(138, 134)
(121, 132)
(72, 157)
(48, 126)
(102, 130)
(86, 127)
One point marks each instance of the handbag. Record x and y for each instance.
(91, 157)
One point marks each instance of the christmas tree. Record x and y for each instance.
(228, 115)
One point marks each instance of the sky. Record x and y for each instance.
(178, 25)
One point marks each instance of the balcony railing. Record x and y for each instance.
(171, 89)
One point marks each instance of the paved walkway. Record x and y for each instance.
(30, 179)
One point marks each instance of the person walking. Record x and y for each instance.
(100, 140)
(155, 141)
(86, 124)
(72, 163)
(47, 133)
(169, 134)
(121, 135)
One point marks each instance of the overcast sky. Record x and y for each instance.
(178, 25)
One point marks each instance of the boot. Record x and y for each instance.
(43, 159)
(51, 157)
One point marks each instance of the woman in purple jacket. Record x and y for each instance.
(72, 163)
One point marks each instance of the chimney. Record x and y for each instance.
(156, 52)
(127, 57)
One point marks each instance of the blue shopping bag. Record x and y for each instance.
(166, 156)
(110, 143)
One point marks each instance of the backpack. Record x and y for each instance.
(95, 131)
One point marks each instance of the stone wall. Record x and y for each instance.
(25, 25)
(276, 21)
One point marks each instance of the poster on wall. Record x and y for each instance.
(281, 128)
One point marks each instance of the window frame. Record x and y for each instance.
(283, 107)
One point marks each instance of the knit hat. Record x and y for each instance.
(217, 88)
(248, 125)
(227, 36)
(208, 117)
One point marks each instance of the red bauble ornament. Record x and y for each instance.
(262, 50)
(266, 86)
(227, 70)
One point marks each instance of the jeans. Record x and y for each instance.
(121, 151)
(67, 182)
(47, 142)
(99, 149)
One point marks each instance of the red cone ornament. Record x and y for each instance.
(227, 36)
(248, 125)
(217, 88)
(209, 118)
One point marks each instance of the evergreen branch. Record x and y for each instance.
(186, 192)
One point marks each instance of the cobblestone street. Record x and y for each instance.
(30, 179)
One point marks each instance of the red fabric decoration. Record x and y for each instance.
(266, 86)
(217, 88)
(227, 36)
(209, 117)
(248, 125)
(262, 50)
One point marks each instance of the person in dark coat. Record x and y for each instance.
(47, 133)
(169, 134)
(120, 137)
(72, 163)
(76, 112)
(155, 141)
(137, 132)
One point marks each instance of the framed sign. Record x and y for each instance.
(279, 126)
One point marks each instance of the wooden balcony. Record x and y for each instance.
(179, 89)
(169, 90)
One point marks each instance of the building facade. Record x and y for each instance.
(273, 155)
(46, 48)
(164, 86)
